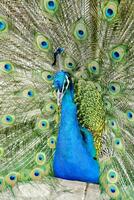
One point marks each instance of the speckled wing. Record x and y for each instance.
(91, 112)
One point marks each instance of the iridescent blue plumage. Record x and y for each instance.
(75, 149)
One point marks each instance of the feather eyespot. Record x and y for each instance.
(98, 87)
(114, 88)
(29, 93)
(48, 77)
(118, 144)
(40, 158)
(112, 191)
(80, 31)
(3, 25)
(43, 43)
(93, 67)
(130, 115)
(112, 176)
(69, 63)
(11, 179)
(113, 124)
(118, 53)
(6, 67)
(50, 6)
(50, 108)
(43, 124)
(110, 11)
(107, 104)
(8, 120)
(52, 142)
(36, 174)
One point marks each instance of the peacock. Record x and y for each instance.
(67, 93)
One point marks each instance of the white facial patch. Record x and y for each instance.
(61, 94)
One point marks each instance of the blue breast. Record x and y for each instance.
(72, 161)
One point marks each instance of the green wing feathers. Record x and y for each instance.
(98, 40)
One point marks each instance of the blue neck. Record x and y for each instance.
(69, 117)
(71, 159)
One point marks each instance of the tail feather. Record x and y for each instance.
(98, 40)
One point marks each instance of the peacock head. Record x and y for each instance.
(61, 84)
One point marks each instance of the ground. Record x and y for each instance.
(68, 190)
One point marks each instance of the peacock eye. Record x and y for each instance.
(114, 88)
(130, 115)
(6, 67)
(40, 158)
(43, 124)
(51, 6)
(113, 191)
(98, 87)
(48, 77)
(113, 124)
(8, 120)
(36, 174)
(80, 31)
(11, 179)
(51, 142)
(93, 67)
(107, 104)
(49, 108)
(112, 176)
(28, 93)
(69, 63)
(3, 25)
(110, 11)
(118, 144)
(43, 43)
(118, 53)
(115, 55)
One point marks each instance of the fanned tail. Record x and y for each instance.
(97, 37)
